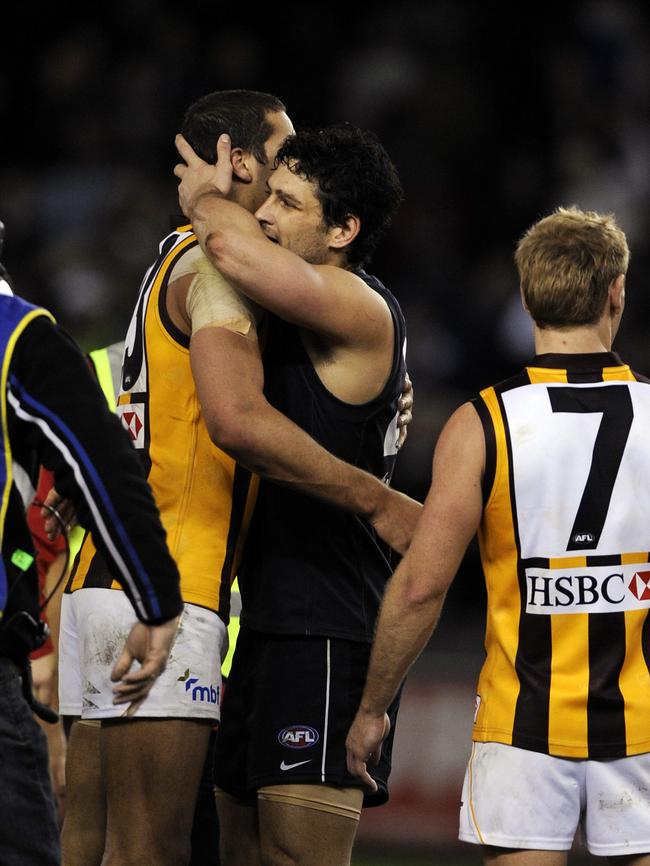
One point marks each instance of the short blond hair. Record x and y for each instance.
(566, 263)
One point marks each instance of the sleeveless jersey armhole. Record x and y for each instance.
(490, 447)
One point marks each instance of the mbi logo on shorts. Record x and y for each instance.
(598, 589)
(205, 694)
(298, 737)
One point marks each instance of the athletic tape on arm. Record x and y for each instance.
(211, 300)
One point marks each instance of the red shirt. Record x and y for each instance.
(46, 550)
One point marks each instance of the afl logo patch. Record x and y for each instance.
(298, 737)
(585, 539)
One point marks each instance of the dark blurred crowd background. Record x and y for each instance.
(493, 113)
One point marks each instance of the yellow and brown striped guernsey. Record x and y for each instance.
(564, 546)
(205, 499)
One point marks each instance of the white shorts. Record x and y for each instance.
(94, 626)
(514, 798)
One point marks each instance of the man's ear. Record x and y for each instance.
(617, 295)
(523, 300)
(343, 235)
(241, 160)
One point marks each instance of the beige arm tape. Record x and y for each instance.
(211, 300)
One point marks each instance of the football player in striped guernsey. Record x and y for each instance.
(552, 468)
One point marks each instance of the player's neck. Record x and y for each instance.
(580, 340)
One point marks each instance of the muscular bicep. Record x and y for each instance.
(229, 378)
(330, 301)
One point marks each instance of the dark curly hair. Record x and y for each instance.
(354, 176)
(240, 113)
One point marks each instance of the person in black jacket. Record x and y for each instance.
(53, 413)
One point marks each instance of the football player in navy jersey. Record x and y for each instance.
(312, 575)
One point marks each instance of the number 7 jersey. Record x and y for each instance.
(565, 541)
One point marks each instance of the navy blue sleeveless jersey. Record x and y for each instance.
(308, 567)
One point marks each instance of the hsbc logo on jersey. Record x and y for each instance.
(600, 589)
(132, 417)
(639, 586)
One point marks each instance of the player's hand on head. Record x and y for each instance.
(405, 405)
(363, 745)
(150, 645)
(199, 178)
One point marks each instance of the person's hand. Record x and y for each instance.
(363, 744)
(67, 517)
(44, 678)
(405, 405)
(150, 645)
(395, 519)
(198, 177)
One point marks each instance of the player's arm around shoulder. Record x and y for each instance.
(327, 299)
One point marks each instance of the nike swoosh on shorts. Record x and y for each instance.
(284, 766)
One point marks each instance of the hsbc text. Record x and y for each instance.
(599, 589)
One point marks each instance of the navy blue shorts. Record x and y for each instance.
(287, 709)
